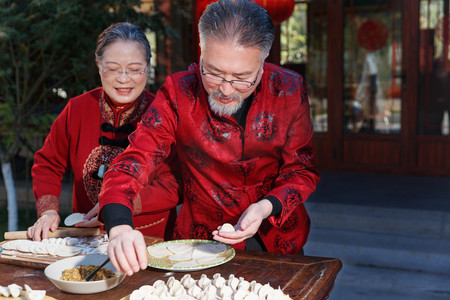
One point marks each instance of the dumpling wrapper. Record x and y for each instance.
(74, 219)
(208, 250)
(63, 250)
(178, 247)
(186, 255)
(186, 264)
(23, 245)
(51, 248)
(209, 260)
(158, 250)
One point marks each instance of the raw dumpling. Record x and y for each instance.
(14, 289)
(4, 291)
(227, 227)
(31, 294)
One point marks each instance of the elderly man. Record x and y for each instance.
(242, 131)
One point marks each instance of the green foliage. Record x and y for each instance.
(47, 46)
(293, 36)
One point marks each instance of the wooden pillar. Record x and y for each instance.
(335, 80)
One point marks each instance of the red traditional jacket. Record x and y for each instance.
(74, 143)
(224, 167)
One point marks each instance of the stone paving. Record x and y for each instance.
(391, 232)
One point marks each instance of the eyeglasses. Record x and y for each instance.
(131, 73)
(241, 85)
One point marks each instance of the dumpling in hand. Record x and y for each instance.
(227, 227)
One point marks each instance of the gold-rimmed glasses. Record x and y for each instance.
(241, 85)
(133, 73)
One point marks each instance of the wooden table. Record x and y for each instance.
(302, 277)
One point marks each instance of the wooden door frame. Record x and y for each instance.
(410, 67)
(407, 142)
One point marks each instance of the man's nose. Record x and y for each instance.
(227, 89)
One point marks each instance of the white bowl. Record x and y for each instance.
(54, 272)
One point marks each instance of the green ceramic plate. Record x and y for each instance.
(195, 262)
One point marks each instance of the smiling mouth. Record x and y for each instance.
(123, 89)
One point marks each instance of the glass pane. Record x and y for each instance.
(434, 67)
(293, 36)
(372, 66)
(316, 65)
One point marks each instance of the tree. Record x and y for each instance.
(47, 56)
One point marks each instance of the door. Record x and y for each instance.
(378, 79)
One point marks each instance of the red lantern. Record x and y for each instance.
(372, 35)
(279, 10)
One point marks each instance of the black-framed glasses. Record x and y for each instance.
(132, 73)
(236, 84)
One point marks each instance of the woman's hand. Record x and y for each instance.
(127, 249)
(90, 218)
(247, 225)
(48, 221)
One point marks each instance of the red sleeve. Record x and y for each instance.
(50, 164)
(298, 177)
(163, 190)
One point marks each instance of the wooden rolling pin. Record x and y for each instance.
(61, 232)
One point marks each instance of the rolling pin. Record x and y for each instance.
(62, 232)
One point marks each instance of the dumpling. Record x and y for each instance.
(31, 294)
(227, 227)
(14, 289)
(4, 291)
(277, 294)
(240, 294)
(204, 281)
(255, 286)
(135, 295)
(233, 282)
(194, 291)
(243, 284)
(264, 291)
(177, 289)
(225, 291)
(219, 281)
(187, 281)
(211, 290)
(253, 296)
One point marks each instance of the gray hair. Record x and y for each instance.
(239, 21)
(122, 31)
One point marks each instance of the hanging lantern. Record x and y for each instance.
(279, 10)
(372, 35)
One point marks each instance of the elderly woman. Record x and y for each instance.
(92, 130)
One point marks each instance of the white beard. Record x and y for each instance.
(224, 110)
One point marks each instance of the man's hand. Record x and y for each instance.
(49, 220)
(127, 249)
(247, 225)
(90, 218)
